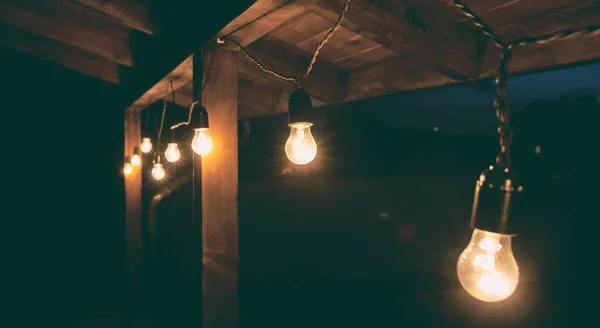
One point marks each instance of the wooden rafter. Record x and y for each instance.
(438, 43)
(129, 13)
(59, 53)
(71, 24)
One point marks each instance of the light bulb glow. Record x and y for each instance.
(146, 145)
(202, 143)
(172, 153)
(136, 160)
(158, 171)
(300, 148)
(127, 168)
(487, 268)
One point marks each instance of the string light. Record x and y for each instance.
(172, 154)
(146, 145)
(300, 147)
(487, 268)
(127, 167)
(202, 143)
(158, 171)
(136, 159)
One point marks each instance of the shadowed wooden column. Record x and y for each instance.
(220, 186)
(133, 201)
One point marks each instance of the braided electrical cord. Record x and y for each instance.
(500, 102)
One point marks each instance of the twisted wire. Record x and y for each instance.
(328, 36)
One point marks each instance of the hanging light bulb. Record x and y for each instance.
(202, 143)
(146, 145)
(300, 147)
(127, 167)
(158, 171)
(487, 268)
(172, 153)
(136, 159)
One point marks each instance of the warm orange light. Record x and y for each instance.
(202, 143)
(172, 154)
(136, 160)
(487, 268)
(158, 171)
(146, 145)
(127, 168)
(301, 147)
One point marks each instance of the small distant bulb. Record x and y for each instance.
(127, 168)
(172, 153)
(202, 143)
(146, 145)
(301, 147)
(158, 171)
(487, 268)
(538, 149)
(136, 160)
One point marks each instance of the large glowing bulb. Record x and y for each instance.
(202, 143)
(487, 268)
(127, 168)
(146, 145)
(136, 160)
(300, 147)
(158, 171)
(172, 153)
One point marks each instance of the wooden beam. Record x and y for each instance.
(391, 76)
(59, 53)
(133, 202)
(69, 23)
(220, 174)
(422, 33)
(264, 17)
(129, 13)
(259, 13)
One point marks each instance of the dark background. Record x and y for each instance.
(366, 235)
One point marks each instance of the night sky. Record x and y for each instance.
(64, 133)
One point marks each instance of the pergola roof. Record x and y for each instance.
(382, 47)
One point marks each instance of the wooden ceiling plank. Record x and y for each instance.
(384, 23)
(59, 53)
(263, 25)
(131, 14)
(69, 23)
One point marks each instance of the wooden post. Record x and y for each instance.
(133, 202)
(220, 186)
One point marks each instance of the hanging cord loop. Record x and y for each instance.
(309, 69)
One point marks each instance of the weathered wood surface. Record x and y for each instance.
(71, 24)
(129, 13)
(220, 169)
(59, 53)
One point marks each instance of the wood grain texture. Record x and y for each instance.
(441, 46)
(71, 24)
(59, 53)
(220, 167)
(133, 201)
(129, 13)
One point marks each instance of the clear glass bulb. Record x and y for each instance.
(172, 153)
(127, 168)
(301, 148)
(202, 143)
(487, 268)
(136, 160)
(158, 171)
(146, 145)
